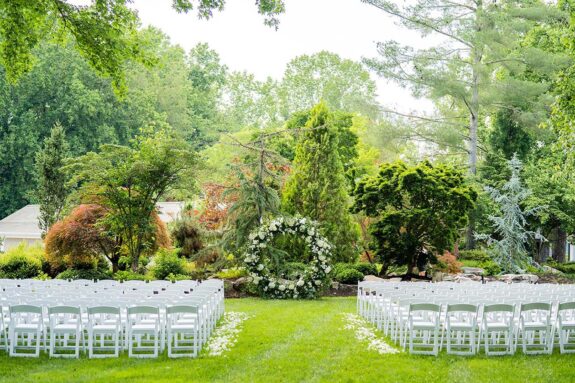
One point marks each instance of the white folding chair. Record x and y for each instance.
(143, 331)
(422, 329)
(104, 324)
(65, 331)
(566, 327)
(26, 330)
(535, 328)
(461, 329)
(497, 329)
(3, 332)
(183, 331)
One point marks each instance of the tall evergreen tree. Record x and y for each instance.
(317, 186)
(471, 71)
(511, 235)
(51, 192)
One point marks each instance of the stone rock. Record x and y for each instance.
(448, 278)
(518, 278)
(347, 289)
(472, 270)
(549, 269)
(437, 276)
(461, 278)
(395, 279)
(335, 285)
(372, 278)
(240, 283)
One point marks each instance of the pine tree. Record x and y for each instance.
(317, 185)
(51, 192)
(510, 228)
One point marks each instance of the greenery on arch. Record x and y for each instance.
(310, 281)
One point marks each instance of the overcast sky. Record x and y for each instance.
(349, 28)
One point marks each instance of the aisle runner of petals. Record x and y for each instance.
(225, 335)
(365, 333)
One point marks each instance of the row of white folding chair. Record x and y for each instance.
(216, 288)
(533, 325)
(104, 328)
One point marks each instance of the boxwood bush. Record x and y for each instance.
(351, 273)
(167, 262)
(349, 276)
(90, 274)
(21, 262)
(366, 268)
(474, 255)
(125, 275)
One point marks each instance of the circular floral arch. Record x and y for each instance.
(310, 281)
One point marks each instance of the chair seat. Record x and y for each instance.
(104, 327)
(535, 325)
(27, 327)
(64, 327)
(144, 327)
(423, 325)
(189, 326)
(568, 325)
(495, 326)
(461, 326)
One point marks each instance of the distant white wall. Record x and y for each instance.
(13, 242)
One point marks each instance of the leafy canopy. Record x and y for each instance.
(419, 210)
(130, 180)
(105, 31)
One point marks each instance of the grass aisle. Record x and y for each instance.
(286, 341)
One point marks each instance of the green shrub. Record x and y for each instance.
(474, 255)
(167, 262)
(346, 273)
(177, 277)
(349, 276)
(293, 270)
(129, 276)
(366, 268)
(567, 268)
(90, 274)
(490, 267)
(232, 273)
(21, 262)
(188, 236)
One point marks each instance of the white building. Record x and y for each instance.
(22, 225)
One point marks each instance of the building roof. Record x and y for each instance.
(24, 222)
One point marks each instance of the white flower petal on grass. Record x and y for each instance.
(226, 334)
(365, 333)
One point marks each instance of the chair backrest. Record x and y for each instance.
(461, 307)
(424, 307)
(541, 306)
(182, 309)
(64, 310)
(566, 306)
(499, 307)
(103, 310)
(25, 309)
(143, 310)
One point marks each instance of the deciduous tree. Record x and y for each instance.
(418, 211)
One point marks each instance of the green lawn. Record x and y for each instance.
(287, 341)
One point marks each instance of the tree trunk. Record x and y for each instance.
(559, 244)
(470, 232)
(473, 107)
(135, 264)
